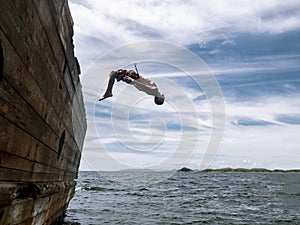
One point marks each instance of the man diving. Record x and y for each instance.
(140, 82)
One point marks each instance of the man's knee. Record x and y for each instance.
(113, 73)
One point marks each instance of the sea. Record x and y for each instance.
(195, 197)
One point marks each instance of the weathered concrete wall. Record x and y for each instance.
(42, 117)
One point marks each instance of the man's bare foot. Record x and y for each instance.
(105, 96)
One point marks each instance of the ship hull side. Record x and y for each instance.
(42, 114)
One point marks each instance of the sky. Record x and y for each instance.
(229, 69)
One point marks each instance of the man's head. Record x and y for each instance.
(159, 100)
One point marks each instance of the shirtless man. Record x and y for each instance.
(140, 82)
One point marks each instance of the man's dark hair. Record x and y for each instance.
(159, 100)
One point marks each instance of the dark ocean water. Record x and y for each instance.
(186, 198)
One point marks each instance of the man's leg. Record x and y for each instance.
(108, 92)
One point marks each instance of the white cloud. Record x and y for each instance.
(101, 26)
(258, 64)
(272, 144)
(265, 108)
(266, 146)
(119, 22)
